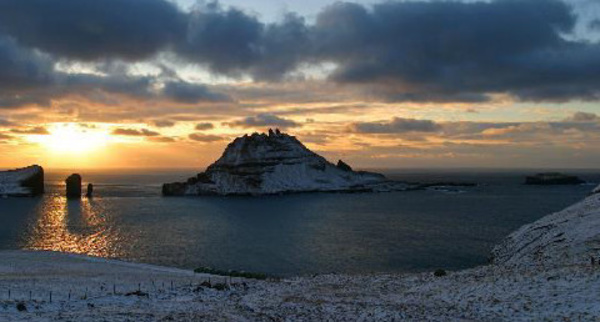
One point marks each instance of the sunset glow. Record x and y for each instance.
(376, 83)
(71, 138)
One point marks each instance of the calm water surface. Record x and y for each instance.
(284, 235)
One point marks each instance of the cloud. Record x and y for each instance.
(163, 123)
(444, 51)
(90, 30)
(263, 120)
(6, 123)
(396, 125)
(5, 137)
(583, 117)
(183, 92)
(135, 132)
(204, 137)
(204, 126)
(421, 51)
(38, 130)
(161, 139)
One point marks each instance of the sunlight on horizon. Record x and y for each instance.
(71, 138)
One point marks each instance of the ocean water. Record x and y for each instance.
(285, 235)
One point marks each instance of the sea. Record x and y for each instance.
(286, 235)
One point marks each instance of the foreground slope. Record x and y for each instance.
(568, 237)
(275, 163)
(28, 181)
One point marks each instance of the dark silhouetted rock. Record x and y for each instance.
(343, 166)
(73, 186)
(23, 182)
(90, 190)
(552, 178)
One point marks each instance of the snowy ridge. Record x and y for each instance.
(275, 163)
(26, 181)
(568, 237)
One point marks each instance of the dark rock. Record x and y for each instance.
(21, 307)
(343, 165)
(22, 182)
(552, 178)
(439, 273)
(137, 293)
(90, 190)
(35, 183)
(73, 186)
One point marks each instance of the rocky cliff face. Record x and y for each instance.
(269, 164)
(568, 237)
(22, 182)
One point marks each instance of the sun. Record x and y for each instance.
(72, 138)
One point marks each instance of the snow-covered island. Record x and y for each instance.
(276, 162)
(545, 271)
(22, 182)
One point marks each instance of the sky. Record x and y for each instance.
(379, 84)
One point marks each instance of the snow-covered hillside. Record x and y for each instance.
(274, 163)
(28, 181)
(568, 237)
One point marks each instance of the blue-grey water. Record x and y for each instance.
(285, 235)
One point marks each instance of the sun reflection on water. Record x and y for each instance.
(75, 226)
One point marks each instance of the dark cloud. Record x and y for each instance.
(433, 51)
(204, 126)
(232, 42)
(6, 123)
(163, 123)
(396, 125)
(21, 72)
(161, 139)
(440, 51)
(135, 132)
(204, 137)
(28, 78)
(580, 127)
(89, 29)
(191, 93)
(263, 120)
(583, 117)
(38, 130)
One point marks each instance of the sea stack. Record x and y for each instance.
(73, 186)
(90, 190)
(22, 182)
(273, 163)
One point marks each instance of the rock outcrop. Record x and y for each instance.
(568, 237)
(552, 178)
(260, 164)
(90, 191)
(73, 183)
(22, 182)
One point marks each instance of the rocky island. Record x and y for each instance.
(552, 178)
(22, 182)
(273, 163)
